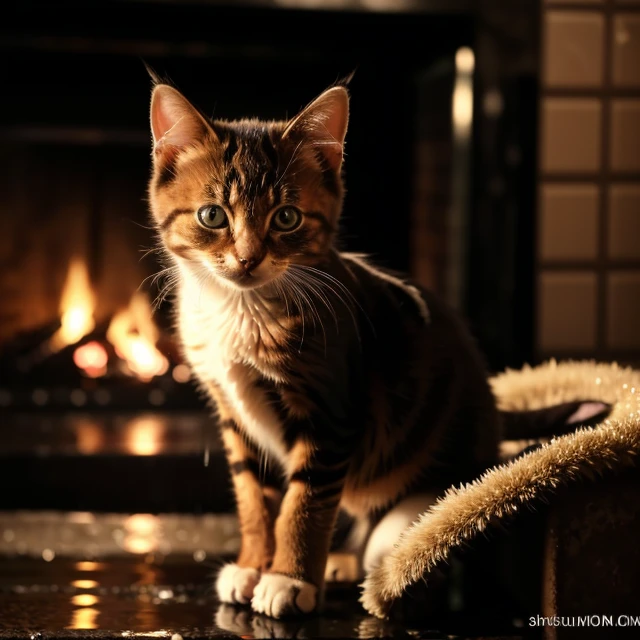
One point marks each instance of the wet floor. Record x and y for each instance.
(120, 575)
(142, 596)
(114, 576)
(131, 597)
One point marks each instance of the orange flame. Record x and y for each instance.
(134, 335)
(76, 307)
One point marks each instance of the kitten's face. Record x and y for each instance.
(238, 203)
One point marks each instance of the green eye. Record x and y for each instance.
(286, 219)
(212, 216)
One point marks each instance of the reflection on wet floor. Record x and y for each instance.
(119, 575)
(137, 596)
(140, 574)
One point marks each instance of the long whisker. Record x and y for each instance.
(147, 252)
(342, 287)
(315, 314)
(296, 296)
(170, 285)
(315, 286)
(154, 277)
(337, 289)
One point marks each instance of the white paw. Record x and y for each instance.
(235, 584)
(277, 595)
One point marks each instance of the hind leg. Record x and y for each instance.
(386, 533)
(344, 563)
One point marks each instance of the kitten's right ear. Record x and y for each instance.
(175, 123)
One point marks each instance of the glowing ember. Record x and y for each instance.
(144, 435)
(76, 307)
(181, 373)
(134, 335)
(92, 358)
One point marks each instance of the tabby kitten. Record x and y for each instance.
(358, 390)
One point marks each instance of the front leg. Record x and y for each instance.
(303, 533)
(257, 507)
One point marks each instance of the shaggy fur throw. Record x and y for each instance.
(470, 511)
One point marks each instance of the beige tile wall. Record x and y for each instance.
(588, 231)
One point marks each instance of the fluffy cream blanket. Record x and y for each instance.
(472, 510)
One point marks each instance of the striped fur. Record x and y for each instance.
(350, 385)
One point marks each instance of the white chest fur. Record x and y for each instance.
(221, 333)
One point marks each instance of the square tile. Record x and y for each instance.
(571, 135)
(624, 222)
(626, 50)
(567, 311)
(625, 135)
(568, 222)
(573, 48)
(623, 310)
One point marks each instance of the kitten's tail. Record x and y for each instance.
(552, 421)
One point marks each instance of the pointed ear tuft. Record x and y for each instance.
(175, 123)
(346, 80)
(153, 74)
(324, 122)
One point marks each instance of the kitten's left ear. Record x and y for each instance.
(324, 122)
(175, 122)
